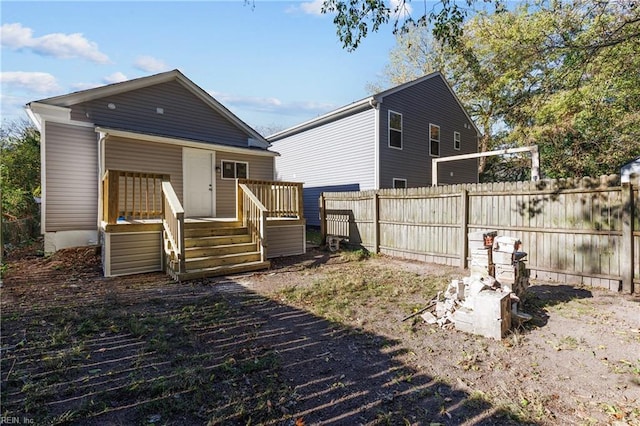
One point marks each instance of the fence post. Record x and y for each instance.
(323, 218)
(627, 255)
(376, 222)
(464, 227)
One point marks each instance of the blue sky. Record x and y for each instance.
(274, 65)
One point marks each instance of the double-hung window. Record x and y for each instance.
(395, 130)
(434, 140)
(235, 169)
(456, 141)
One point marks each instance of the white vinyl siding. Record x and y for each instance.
(71, 178)
(337, 156)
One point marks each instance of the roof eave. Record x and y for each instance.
(184, 142)
(323, 119)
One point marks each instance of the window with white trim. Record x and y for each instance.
(456, 141)
(235, 169)
(399, 183)
(395, 130)
(434, 140)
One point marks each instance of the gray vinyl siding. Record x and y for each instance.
(260, 168)
(185, 115)
(337, 156)
(285, 240)
(134, 253)
(421, 104)
(71, 177)
(140, 156)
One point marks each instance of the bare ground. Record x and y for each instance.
(81, 349)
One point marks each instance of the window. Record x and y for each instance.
(399, 183)
(235, 170)
(434, 140)
(395, 130)
(456, 141)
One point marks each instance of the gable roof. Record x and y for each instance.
(142, 82)
(368, 102)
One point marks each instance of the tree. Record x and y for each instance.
(19, 170)
(354, 19)
(562, 75)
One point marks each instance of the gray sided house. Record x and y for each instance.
(384, 141)
(164, 177)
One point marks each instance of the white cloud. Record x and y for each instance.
(404, 10)
(150, 64)
(12, 108)
(312, 7)
(40, 82)
(65, 46)
(116, 77)
(272, 104)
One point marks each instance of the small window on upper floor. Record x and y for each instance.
(399, 183)
(434, 140)
(456, 141)
(235, 169)
(395, 130)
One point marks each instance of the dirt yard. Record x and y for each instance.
(318, 339)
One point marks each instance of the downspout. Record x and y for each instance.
(374, 103)
(101, 163)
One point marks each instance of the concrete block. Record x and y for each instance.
(476, 240)
(429, 318)
(505, 243)
(492, 314)
(502, 258)
(463, 320)
(505, 274)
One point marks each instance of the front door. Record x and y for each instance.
(199, 182)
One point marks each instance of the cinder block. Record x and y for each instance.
(502, 258)
(505, 273)
(492, 314)
(463, 319)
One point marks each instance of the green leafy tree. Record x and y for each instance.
(19, 170)
(355, 19)
(563, 75)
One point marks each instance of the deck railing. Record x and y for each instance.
(173, 224)
(253, 215)
(131, 195)
(281, 199)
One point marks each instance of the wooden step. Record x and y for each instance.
(227, 259)
(221, 270)
(216, 241)
(214, 231)
(218, 223)
(219, 250)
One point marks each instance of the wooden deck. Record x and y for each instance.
(139, 209)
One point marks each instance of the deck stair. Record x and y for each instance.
(214, 248)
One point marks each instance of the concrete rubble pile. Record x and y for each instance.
(489, 301)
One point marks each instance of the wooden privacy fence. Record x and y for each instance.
(582, 231)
